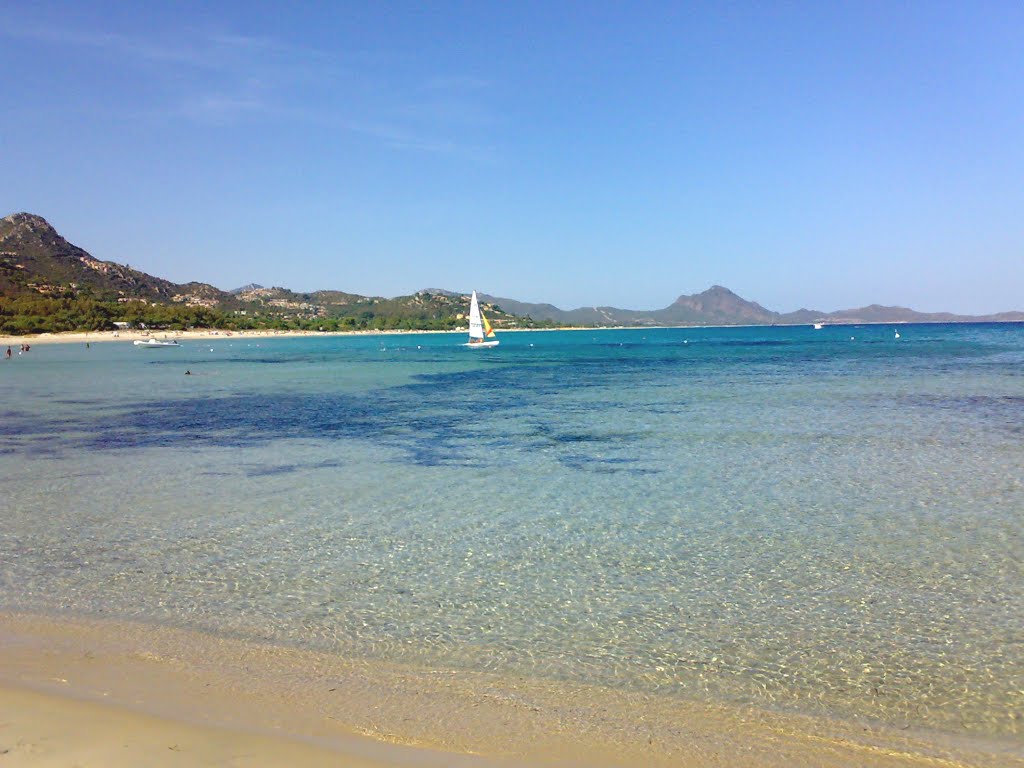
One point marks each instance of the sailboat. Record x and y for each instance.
(479, 328)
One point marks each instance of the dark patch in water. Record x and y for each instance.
(437, 418)
(19, 425)
(578, 437)
(754, 343)
(266, 471)
(603, 465)
(228, 360)
(1006, 412)
(434, 421)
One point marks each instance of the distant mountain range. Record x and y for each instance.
(35, 259)
(720, 306)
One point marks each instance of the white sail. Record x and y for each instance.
(476, 325)
(481, 335)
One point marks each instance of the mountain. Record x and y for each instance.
(715, 306)
(720, 306)
(246, 289)
(35, 260)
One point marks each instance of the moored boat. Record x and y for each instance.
(151, 343)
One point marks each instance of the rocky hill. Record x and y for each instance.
(36, 261)
(34, 258)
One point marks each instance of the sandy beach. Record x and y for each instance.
(96, 693)
(93, 337)
(72, 694)
(41, 729)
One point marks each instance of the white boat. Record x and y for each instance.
(479, 328)
(151, 343)
(818, 326)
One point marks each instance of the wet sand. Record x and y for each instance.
(91, 692)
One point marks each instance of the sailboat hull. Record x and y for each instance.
(479, 344)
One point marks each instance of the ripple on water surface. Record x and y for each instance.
(765, 516)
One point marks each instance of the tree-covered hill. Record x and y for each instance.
(49, 285)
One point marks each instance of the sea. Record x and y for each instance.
(823, 522)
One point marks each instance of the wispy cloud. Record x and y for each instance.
(223, 77)
(397, 138)
(460, 83)
(222, 108)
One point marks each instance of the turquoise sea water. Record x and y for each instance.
(829, 522)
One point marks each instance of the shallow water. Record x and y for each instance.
(783, 517)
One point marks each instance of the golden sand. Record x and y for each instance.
(92, 337)
(92, 693)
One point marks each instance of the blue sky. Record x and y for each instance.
(826, 155)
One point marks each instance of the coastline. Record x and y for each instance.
(93, 337)
(207, 334)
(120, 693)
(82, 337)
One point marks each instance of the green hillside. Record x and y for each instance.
(49, 285)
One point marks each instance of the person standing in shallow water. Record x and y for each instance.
(8, 355)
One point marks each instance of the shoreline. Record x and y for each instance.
(82, 337)
(217, 698)
(92, 337)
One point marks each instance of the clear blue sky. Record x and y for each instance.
(819, 154)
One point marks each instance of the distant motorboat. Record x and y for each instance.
(818, 326)
(152, 343)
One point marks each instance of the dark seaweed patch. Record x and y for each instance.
(269, 470)
(1005, 412)
(419, 419)
(603, 465)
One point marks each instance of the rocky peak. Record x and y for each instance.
(720, 304)
(26, 229)
(246, 289)
(31, 223)
(716, 295)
